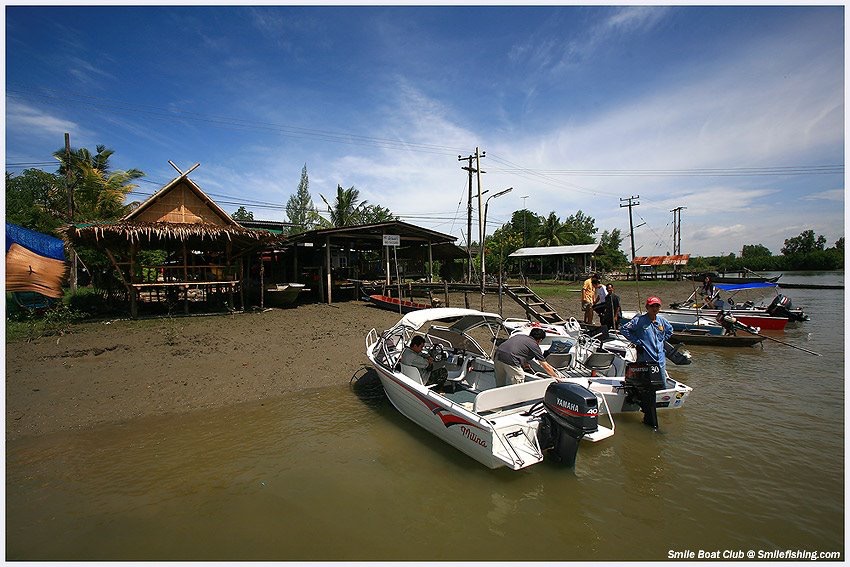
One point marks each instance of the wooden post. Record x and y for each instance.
(134, 307)
(430, 263)
(262, 280)
(328, 276)
(185, 279)
(69, 187)
(446, 292)
(230, 266)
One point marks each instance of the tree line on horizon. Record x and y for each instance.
(38, 200)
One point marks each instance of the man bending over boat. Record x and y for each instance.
(413, 356)
(648, 332)
(514, 355)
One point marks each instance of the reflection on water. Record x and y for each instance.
(754, 460)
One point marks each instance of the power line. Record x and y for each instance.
(832, 169)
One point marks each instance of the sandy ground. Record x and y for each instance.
(113, 371)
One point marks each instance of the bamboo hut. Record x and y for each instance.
(204, 248)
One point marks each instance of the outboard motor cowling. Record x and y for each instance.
(781, 307)
(643, 380)
(571, 412)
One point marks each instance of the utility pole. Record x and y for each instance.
(69, 188)
(677, 236)
(677, 230)
(631, 227)
(470, 170)
(478, 156)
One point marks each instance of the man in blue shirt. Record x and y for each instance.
(649, 332)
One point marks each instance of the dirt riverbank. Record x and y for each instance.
(113, 371)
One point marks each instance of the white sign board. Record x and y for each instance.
(392, 240)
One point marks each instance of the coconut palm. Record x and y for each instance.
(552, 232)
(99, 193)
(346, 211)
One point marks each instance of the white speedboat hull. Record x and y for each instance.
(496, 426)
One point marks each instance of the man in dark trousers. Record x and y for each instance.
(610, 314)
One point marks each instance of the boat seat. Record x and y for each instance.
(599, 361)
(560, 361)
(411, 372)
(504, 396)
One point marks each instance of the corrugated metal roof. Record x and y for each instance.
(678, 260)
(556, 250)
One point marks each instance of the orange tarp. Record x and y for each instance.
(27, 271)
(677, 260)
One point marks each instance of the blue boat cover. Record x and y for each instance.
(42, 244)
(737, 286)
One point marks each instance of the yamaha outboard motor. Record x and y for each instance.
(571, 413)
(781, 307)
(643, 380)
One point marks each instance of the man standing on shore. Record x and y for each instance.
(649, 332)
(588, 296)
(610, 313)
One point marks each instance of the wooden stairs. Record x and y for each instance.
(533, 304)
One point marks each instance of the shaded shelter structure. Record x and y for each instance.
(648, 265)
(334, 259)
(581, 253)
(204, 250)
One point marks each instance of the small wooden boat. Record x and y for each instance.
(697, 337)
(394, 304)
(283, 295)
(717, 278)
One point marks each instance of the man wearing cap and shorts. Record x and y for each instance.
(649, 332)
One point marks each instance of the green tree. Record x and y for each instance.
(99, 193)
(527, 225)
(36, 200)
(611, 256)
(552, 232)
(580, 229)
(839, 244)
(754, 251)
(805, 243)
(347, 208)
(372, 214)
(503, 242)
(300, 208)
(242, 214)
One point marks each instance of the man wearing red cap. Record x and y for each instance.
(648, 332)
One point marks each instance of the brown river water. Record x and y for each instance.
(754, 462)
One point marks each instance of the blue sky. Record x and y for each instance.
(735, 113)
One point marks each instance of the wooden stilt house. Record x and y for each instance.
(200, 250)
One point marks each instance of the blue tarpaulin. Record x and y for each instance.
(738, 286)
(42, 244)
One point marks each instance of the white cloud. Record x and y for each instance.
(23, 117)
(831, 195)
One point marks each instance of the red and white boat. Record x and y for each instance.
(772, 317)
(396, 304)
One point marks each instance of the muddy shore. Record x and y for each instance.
(114, 371)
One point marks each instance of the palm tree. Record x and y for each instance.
(552, 232)
(346, 211)
(99, 193)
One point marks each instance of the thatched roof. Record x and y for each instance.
(164, 234)
(181, 200)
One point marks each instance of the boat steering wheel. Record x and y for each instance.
(438, 353)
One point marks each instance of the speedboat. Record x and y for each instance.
(605, 360)
(510, 426)
(773, 316)
(684, 321)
